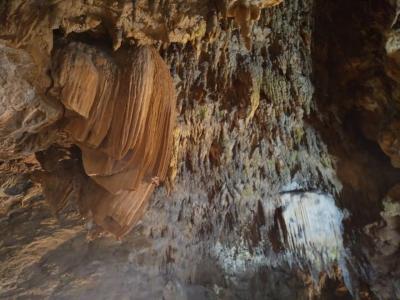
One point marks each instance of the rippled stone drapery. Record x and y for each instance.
(123, 114)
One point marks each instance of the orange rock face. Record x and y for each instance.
(121, 115)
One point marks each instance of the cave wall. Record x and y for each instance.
(261, 200)
(357, 91)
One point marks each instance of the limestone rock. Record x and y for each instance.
(383, 255)
(274, 107)
(26, 114)
(122, 117)
(247, 12)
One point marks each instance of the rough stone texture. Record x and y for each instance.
(384, 256)
(252, 207)
(25, 116)
(357, 94)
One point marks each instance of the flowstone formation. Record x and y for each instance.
(219, 141)
(122, 117)
(120, 111)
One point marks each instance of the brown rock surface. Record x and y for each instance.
(280, 164)
(122, 116)
(26, 115)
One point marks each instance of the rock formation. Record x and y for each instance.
(228, 149)
(26, 115)
(122, 117)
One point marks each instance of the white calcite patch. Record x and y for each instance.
(314, 239)
(314, 227)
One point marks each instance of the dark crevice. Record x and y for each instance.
(348, 54)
